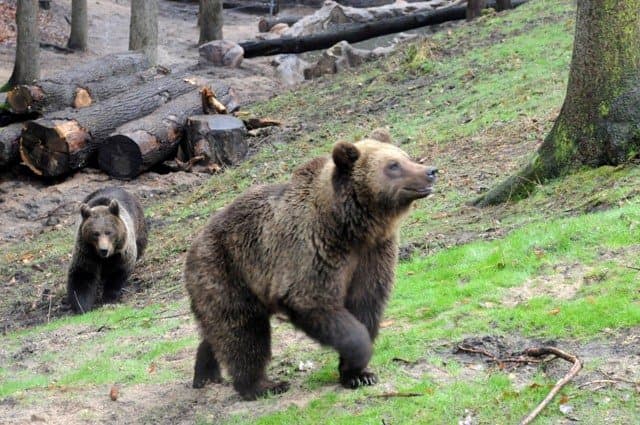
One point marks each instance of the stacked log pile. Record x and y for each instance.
(116, 113)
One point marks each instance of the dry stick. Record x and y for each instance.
(599, 381)
(543, 351)
(391, 395)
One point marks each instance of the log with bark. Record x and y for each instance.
(91, 81)
(9, 143)
(140, 144)
(356, 33)
(218, 139)
(63, 141)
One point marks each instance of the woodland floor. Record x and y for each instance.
(559, 268)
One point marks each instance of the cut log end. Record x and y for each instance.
(121, 156)
(45, 145)
(82, 99)
(21, 98)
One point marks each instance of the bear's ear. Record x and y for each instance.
(85, 211)
(345, 155)
(381, 135)
(114, 207)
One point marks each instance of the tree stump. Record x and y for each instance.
(218, 139)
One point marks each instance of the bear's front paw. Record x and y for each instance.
(355, 379)
(111, 295)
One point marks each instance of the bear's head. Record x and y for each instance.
(103, 229)
(383, 176)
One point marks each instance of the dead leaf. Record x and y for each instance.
(564, 399)
(113, 394)
(152, 368)
(386, 323)
(554, 311)
(27, 258)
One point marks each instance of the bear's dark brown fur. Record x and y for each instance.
(111, 237)
(321, 248)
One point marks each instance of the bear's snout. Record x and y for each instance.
(432, 174)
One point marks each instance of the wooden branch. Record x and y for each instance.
(356, 33)
(543, 351)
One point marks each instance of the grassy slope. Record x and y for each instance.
(475, 101)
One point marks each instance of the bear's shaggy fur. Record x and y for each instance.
(321, 248)
(111, 237)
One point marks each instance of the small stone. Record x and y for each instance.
(222, 53)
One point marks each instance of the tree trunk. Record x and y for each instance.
(93, 81)
(138, 145)
(474, 8)
(210, 20)
(503, 5)
(599, 122)
(63, 141)
(9, 144)
(218, 139)
(27, 65)
(79, 22)
(354, 33)
(143, 28)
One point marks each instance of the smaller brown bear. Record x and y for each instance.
(111, 237)
(320, 248)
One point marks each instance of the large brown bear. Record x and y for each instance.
(321, 248)
(111, 237)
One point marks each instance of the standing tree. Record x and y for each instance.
(78, 37)
(210, 20)
(143, 28)
(27, 65)
(599, 122)
(474, 8)
(503, 5)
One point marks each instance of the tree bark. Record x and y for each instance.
(9, 144)
(355, 33)
(100, 78)
(143, 28)
(63, 141)
(503, 5)
(79, 23)
(210, 20)
(140, 144)
(474, 8)
(599, 122)
(27, 64)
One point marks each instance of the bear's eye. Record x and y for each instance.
(107, 232)
(96, 234)
(393, 166)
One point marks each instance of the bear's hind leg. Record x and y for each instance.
(206, 368)
(245, 347)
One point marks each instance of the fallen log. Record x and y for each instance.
(140, 144)
(94, 80)
(265, 24)
(218, 139)
(63, 141)
(356, 33)
(9, 144)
